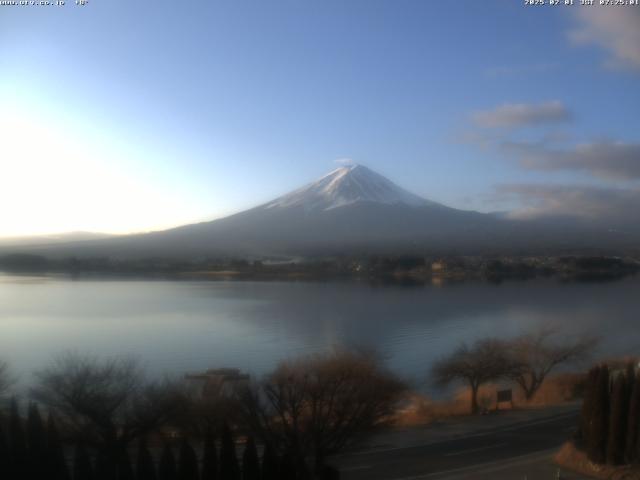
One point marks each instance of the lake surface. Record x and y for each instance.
(180, 326)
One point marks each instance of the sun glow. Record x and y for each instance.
(56, 179)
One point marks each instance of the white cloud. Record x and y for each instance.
(617, 205)
(345, 161)
(615, 29)
(609, 160)
(522, 114)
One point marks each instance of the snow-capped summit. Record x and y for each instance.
(345, 186)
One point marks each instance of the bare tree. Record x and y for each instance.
(317, 406)
(105, 403)
(533, 356)
(483, 361)
(207, 411)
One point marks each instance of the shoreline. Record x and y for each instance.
(310, 275)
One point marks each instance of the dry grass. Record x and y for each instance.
(574, 459)
(556, 390)
(420, 409)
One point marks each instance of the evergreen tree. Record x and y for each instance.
(4, 454)
(19, 461)
(596, 448)
(287, 467)
(632, 448)
(105, 466)
(56, 463)
(269, 463)
(125, 470)
(631, 375)
(188, 462)
(167, 467)
(618, 422)
(36, 443)
(586, 416)
(250, 461)
(82, 468)
(145, 467)
(229, 468)
(209, 457)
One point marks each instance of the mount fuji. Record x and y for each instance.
(347, 186)
(351, 210)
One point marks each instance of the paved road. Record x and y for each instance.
(515, 444)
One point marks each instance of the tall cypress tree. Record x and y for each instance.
(125, 470)
(19, 461)
(618, 422)
(269, 463)
(287, 467)
(229, 468)
(145, 467)
(167, 469)
(209, 457)
(630, 374)
(5, 466)
(106, 469)
(586, 416)
(36, 443)
(596, 448)
(633, 424)
(188, 462)
(82, 467)
(250, 461)
(56, 462)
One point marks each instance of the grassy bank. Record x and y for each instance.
(421, 410)
(572, 458)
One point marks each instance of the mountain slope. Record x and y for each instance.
(350, 210)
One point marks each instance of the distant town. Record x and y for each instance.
(390, 268)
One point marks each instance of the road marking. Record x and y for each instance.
(471, 450)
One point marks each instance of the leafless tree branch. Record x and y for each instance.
(319, 405)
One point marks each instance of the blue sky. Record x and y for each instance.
(124, 116)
